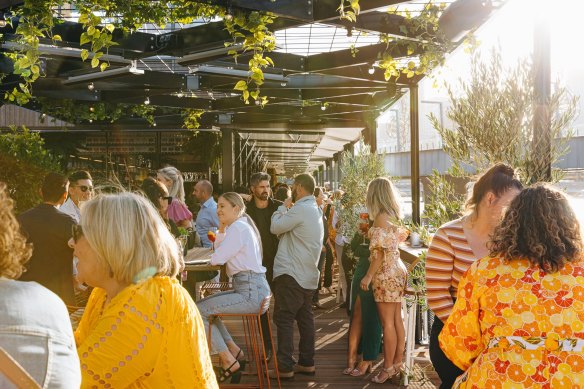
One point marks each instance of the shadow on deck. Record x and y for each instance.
(332, 325)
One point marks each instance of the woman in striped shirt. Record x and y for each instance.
(459, 243)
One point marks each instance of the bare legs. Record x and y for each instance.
(228, 357)
(393, 338)
(354, 336)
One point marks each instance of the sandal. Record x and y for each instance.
(224, 374)
(349, 370)
(357, 372)
(390, 371)
(242, 362)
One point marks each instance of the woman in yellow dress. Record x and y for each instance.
(518, 320)
(386, 272)
(140, 327)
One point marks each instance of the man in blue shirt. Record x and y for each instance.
(207, 216)
(298, 222)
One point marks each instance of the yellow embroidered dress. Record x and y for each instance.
(515, 326)
(389, 282)
(149, 336)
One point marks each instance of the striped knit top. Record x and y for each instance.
(449, 256)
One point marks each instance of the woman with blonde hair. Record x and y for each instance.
(238, 246)
(177, 210)
(34, 324)
(140, 327)
(387, 272)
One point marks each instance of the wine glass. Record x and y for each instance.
(212, 235)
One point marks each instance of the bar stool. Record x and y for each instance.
(254, 342)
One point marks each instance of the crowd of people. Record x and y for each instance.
(504, 282)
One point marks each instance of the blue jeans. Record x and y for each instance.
(249, 289)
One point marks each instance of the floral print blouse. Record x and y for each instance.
(515, 326)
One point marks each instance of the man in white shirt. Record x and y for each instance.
(80, 189)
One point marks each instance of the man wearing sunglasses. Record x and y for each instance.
(80, 189)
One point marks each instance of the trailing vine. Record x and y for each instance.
(424, 40)
(99, 19)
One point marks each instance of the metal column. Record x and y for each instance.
(415, 152)
(227, 160)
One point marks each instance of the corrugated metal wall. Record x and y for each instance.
(14, 115)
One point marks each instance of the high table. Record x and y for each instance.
(198, 259)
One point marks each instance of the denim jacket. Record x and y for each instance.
(35, 330)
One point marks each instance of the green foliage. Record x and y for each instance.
(191, 118)
(494, 119)
(206, 145)
(71, 111)
(357, 170)
(24, 161)
(425, 41)
(444, 204)
(36, 22)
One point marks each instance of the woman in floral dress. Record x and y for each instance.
(518, 320)
(387, 272)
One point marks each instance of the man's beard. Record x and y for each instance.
(263, 196)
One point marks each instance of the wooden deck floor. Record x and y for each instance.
(332, 326)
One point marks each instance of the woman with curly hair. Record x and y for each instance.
(459, 243)
(34, 324)
(519, 314)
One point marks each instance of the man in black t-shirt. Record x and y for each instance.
(260, 208)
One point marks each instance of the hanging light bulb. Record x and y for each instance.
(90, 120)
(323, 107)
(147, 101)
(91, 109)
(180, 94)
(371, 69)
(90, 86)
(154, 124)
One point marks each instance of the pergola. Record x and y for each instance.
(320, 103)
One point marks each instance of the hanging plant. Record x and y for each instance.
(99, 19)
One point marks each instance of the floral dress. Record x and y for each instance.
(515, 326)
(389, 281)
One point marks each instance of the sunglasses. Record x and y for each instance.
(76, 232)
(167, 198)
(85, 188)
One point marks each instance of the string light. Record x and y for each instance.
(147, 101)
(90, 86)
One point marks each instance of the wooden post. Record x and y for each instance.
(542, 86)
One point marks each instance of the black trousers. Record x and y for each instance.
(320, 264)
(293, 303)
(328, 267)
(447, 371)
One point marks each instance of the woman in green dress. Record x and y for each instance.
(365, 326)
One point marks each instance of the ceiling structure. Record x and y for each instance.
(322, 93)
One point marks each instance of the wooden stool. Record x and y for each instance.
(254, 342)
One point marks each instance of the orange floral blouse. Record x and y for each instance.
(150, 335)
(514, 326)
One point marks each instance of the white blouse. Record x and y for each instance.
(239, 248)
